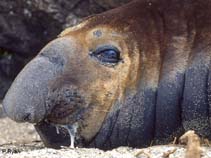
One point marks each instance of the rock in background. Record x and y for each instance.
(27, 25)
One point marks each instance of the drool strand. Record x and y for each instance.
(71, 129)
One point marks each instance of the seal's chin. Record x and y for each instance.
(58, 135)
(49, 136)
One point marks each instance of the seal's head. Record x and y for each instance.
(76, 78)
(84, 75)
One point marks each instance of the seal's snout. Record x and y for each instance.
(26, 98)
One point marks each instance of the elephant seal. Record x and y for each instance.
(135, 74)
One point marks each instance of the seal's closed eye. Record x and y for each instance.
(106, 54)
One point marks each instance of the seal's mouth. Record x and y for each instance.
(66, 108)
(57, 135)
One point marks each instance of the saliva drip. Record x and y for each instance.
(57, 129)
(72, 130)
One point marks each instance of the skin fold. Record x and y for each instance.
(154, 88)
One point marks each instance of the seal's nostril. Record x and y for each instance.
(27, 117)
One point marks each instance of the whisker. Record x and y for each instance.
(102, 111)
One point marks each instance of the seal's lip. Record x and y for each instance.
(41, 122)
(46, 120)
(76, 116)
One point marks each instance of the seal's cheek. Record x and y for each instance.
(85, 92)
(104, 85)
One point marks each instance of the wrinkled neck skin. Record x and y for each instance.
(159, 89)
(172, 93)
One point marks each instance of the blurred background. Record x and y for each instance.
(28, 25)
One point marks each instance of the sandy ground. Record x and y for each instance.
(21, 141)
(16, 133)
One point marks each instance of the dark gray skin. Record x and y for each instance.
(156, 86)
